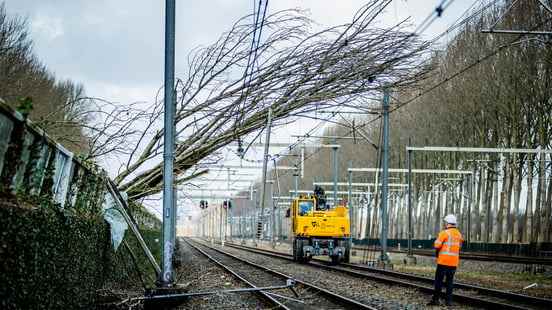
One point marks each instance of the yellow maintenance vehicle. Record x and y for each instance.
(318, 229)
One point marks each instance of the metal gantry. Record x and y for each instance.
(471, 174)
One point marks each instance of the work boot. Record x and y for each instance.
(433, 302)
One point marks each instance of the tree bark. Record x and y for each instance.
(515, 233)
(487, 217)
(428, 212)
(494, 207)
(477, 216)
(437, 212)
(527, 237)
(548, 211)
(537, 233)
(508, 202)
(502, 214)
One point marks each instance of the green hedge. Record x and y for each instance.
(52, 258)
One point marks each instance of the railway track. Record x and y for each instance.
(308, 295)
(464, 293)
(474, 256)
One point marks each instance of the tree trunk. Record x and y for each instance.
(463, 207)
(508, 202)
(477, 216)
(537, 233)
(437, 213)
(447, 203)
(460, 202)
(515, 231)
(415, 210)
(375, 219)
(548, 211)
(401, 223)
(360, 234)
(494, 208)
(391, 217)
(428, 213)
(487, 206)
(423, 213)
(529, 206)
(502, 205)
(484, 209)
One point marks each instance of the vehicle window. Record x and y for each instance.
(322, 206)
(305, 207)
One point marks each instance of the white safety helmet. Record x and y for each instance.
(450, 219)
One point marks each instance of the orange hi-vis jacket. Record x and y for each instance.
(448, 243)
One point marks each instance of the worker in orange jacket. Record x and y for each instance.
(447, 245)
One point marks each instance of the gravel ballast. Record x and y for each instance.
(199, 274)
(381, 296)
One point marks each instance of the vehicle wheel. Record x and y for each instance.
(295, 250)
(347, 254)
(299, 250)
(347, 245)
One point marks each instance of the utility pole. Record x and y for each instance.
(167, 277)
(203, 216)
(409, 257)
(384, 259)
(228, 211)
(220, 226)
(265, 163)
(296, 179)
(471, 187)
(352, 221)
(335, 173)
(273, 217)
(302, 162)
(280, 220)
(240, 225)
(253, 215)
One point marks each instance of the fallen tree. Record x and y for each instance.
(297, 71)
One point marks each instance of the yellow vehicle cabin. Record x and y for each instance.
(319, 229)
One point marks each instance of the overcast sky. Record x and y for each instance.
(115, 47)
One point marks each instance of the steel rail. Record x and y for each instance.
(392, 277)
(262, 294)
(348, 302)
(477, 256)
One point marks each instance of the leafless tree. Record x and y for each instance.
(297, 71)
(501, 100)
(22, 75)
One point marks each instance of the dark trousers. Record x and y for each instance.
(442, 272)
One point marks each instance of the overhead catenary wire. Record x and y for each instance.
(438, 11)
(457, 73)
(256, 15)
(252, 55)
